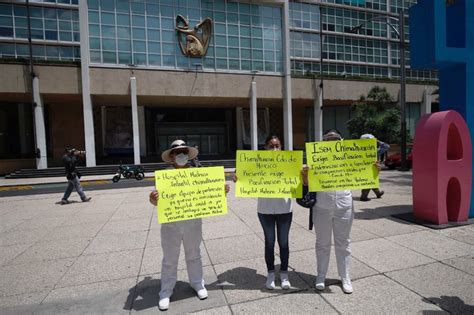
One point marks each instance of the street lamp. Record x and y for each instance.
(401, 36)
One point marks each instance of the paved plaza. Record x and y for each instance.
(104, 257)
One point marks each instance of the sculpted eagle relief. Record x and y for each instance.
(193, 42)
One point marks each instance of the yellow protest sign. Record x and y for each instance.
(190, 193)
(269, 174)
(340, 165)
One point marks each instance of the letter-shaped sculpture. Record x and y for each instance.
(442, 37)
(193, 42)
(442, 168)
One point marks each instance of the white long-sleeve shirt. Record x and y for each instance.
(274, 205)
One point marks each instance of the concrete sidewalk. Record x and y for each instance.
(104, 257)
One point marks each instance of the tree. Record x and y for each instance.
(377, 114)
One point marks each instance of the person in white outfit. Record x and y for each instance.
(275, 214)
(173, 234)
(333, 214)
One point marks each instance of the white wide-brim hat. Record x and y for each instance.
(175, 145)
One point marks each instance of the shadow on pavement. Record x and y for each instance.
(452, 304)
(144, 295)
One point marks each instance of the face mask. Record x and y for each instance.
(181, 159)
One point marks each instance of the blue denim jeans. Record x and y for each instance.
(282, 222)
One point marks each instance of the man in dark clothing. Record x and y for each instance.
(72, 175)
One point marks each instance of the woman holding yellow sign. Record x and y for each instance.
(188, 232)
(333, 213)
(275, 213)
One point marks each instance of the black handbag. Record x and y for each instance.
(308, 200)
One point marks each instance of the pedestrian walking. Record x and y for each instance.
(73, 176)
(382, 148)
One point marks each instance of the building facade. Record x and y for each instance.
(123, 78)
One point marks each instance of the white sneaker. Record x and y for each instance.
(347, 286)
(270, 284)
(320, 283)
(202, 294)
(164, 304)
(285, 283)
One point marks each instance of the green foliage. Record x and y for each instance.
(378, 114)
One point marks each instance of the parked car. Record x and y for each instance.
(394, 160)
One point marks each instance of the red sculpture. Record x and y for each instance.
(442, 185)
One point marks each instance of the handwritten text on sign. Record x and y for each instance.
(340, 165)
(190, 193)
(269, 174)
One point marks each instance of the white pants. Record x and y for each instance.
(338, 222)
(190, 233)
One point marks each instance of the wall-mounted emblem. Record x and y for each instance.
(193, 42)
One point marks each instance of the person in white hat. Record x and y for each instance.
(173, 234)
(382, 147)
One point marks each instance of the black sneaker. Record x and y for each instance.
(87, 199)
(64, 201)
(364, 199)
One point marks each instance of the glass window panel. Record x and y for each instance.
(233, 30)
(94, 43)
(257, 43)
(139, 46)
(123, 19)
(256, 32)
(153, 22)
(245, 19)
(168, 61)
(138, 33)
(233, 53)
(51, 35)
(108, 44)
(93, 17)
(246, 65)
(66, 36)
(245, 54)
(124, 58)
(244, 31)
(154, 60)
(109, 57)
(96, 56)
(52, 52)
(221, 63)
(167, 36)
(22, 50)
(37, 23)
(258, 65)
(234, 64)
(65, 26)
(138, 20)
(233, 41)
(244, 42)
(153, 34)
(66, 52)
(168, 48)
(6, 21)
(6, 9)
(257, 54)
(123, 5)
(19, 32)
(152, 9)
(64, 14)
(138, 7)
(37, 34)
(108, 31)
(221, 52)
(38, 51)
(107, 5)
(168, 24)
(107, 18)
(124, 45)
(123, 32)
(232, 18)
(220, 28)
(167, 11)
(219, 17)
(154, 47)
(21, 22)
(18, 10)
(36, 12)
